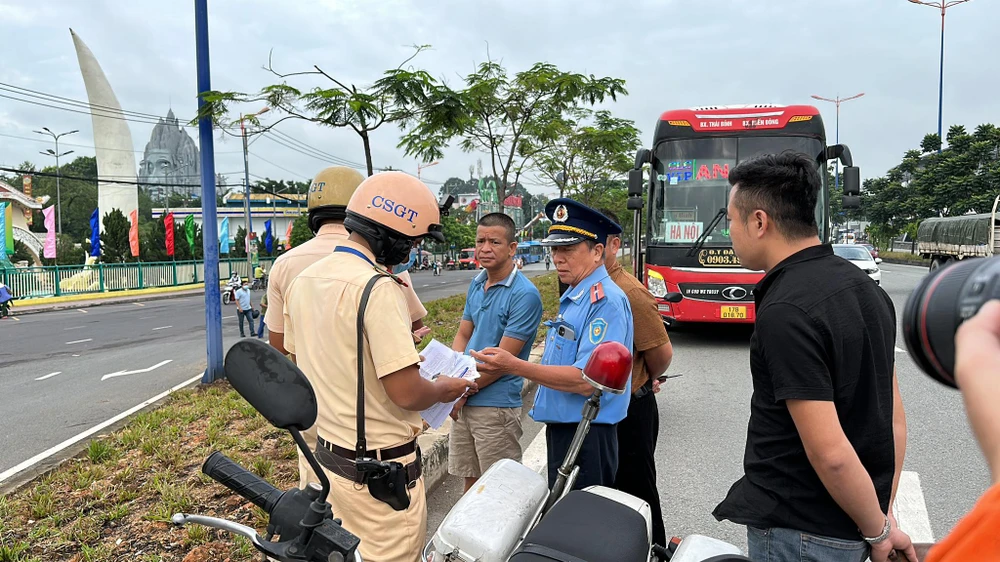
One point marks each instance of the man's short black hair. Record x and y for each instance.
(785, 186)
(502, 220)
(611, 215)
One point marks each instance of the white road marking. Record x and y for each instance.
(48, 376)
(138, 304)
(911, 511)
(76, 355)
(444, 282)
(137, 371)
(77, 438)
(162, 328)
(422, 286)
(79, 341)
(228, 317)
(146, 317)
(74, 328)
(81, 310)
(535, 456)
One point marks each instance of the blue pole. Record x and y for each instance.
(210, 227)
(941, 83)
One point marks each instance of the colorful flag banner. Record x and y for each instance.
(49, 250)
(133, 233)
(224, 236)
(168, 224)
(95, 233)
(189, 231)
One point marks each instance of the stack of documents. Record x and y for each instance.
(440, 359)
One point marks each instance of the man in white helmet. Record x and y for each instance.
(329, 194)
(370, 455)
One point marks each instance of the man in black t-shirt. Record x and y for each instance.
(827, 432)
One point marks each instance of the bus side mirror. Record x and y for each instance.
(635, 183)
(852, 188)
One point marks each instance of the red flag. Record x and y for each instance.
(288, 236)
(168, 223)
(133, 233)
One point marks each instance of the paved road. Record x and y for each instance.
(71, 350)
(703, 428)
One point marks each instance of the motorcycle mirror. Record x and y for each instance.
(609, 367)
(272, 384)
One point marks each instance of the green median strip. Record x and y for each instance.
(114, 501)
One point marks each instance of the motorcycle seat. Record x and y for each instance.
(585, 527)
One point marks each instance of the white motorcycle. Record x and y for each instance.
(510, 515)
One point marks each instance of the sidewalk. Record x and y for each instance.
(46, 304)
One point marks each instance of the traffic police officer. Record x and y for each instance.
(592, 310)
(387, 215)
(329, 194)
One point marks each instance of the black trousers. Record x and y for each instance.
(636, 463)
(598, 458)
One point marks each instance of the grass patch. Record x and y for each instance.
(115, 501)
(903, 257)
(100, 452)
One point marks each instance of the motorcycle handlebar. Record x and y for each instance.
(240, 480)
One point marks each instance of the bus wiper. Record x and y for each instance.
(704, 235)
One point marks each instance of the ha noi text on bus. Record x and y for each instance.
(687, 247)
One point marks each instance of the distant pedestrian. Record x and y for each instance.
(263, 311)
(244, 308)
(6, 300)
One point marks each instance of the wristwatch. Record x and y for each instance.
(882, 537)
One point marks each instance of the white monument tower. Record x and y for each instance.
(112, 139)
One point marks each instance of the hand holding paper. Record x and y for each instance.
(439, 360)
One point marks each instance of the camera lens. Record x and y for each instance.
(943, 300)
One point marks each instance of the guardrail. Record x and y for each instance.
(59, 280)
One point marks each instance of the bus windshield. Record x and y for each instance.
(691, 183)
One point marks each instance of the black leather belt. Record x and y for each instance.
(643, 390)
(340, 460)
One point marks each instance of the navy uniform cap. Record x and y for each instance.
(574, 222)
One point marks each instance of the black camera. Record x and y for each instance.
(938, 306)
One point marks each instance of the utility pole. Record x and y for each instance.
(246, 186)
(837, 101)
(50, 152)
(943, 6)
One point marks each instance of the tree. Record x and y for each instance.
(931, 143)
(22, 253)
(395, 98)
(79, 197)
(153, 241)
(114, 240)
(456, 234)
(238, 248)
(591, 146)
(510, 118)
(301, 233)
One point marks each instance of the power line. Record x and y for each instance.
(95, 148)
(305, 146)
(100, 179)
(70, 101)
(259, 157)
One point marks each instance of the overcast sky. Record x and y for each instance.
(672, 54)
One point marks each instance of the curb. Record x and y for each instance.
(434, 442)
(32, 306)
(917, 263)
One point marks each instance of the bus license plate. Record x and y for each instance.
(734, 312)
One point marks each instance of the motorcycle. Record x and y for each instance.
(229, 295)
(510, 515)
(437, 268)
(301, 518)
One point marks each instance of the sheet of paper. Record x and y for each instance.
(440, 359)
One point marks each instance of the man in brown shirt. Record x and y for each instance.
(652, 354)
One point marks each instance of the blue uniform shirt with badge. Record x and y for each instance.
(594, 311)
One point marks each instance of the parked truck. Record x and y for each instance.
(945, 239)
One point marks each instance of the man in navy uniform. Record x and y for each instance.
(592, 310)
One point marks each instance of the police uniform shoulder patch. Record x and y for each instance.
(596, 292)
(598, 327)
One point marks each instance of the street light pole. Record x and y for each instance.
(50, 152)
(246, 185)
(943, 6)
(837, 101)
(422, 166)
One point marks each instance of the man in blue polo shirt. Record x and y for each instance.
(502, 308)
(592, 310)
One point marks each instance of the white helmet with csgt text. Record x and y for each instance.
(392, 210)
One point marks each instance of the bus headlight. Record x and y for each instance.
(655, 283)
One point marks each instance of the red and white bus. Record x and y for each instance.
(687, 245)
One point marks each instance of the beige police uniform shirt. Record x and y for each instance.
(294, 261)
(320, 316)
